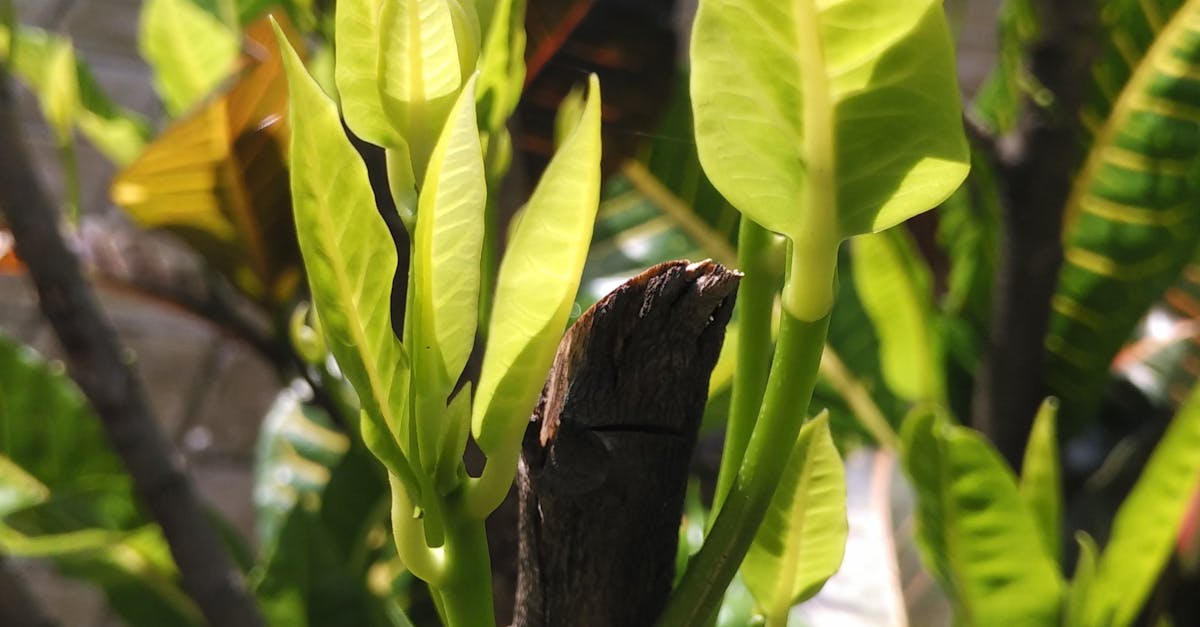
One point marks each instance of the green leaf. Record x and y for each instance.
(538, 278)
(350, 258)
(356, 71)
(1133, 216)
(1081, 585)
(188, 49)
(427, 50)
(1147, 523)
(790, 100)
(317, 495)
(896, 291)
(501, 63)
(66, 497)
(18, 489)
(70, 96)
(446, 249)
(974, 530)
(1041, 485)
(803, 537)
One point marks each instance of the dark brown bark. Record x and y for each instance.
(605, 458)
(1036, 167)
(104, 372)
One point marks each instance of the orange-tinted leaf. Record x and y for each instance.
(218, 177)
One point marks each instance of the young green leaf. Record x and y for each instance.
(189, 50)
(896, 291)
(350, 258)
(538, 278)
(1147, 523)
(446, 248)
(501, 63)
(1081, 585)
(427, 50)
(975, 533)
(790, 100)
(356, 71)
(1041, 486)
(800, 543)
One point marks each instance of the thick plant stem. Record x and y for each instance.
(756, 296)
(785, 407)
(466, 589)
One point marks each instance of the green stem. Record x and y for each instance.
(756, 298)
(466, 589)
(784, 410)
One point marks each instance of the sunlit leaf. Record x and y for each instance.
(356, 71)
(895, 288)
(218, 178)
(976, 534)
(791, 99)
(447, 245)
(1147, 524)
(350, 258)
(1080, 592)
(427, 50)
(539, 276)
(189, 49)
(803, 537)
(1041, 485)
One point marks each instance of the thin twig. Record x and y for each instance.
(103, 371)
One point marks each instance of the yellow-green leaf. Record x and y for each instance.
(791, 98)
(350, 258)
(896, 291)
(188, 48)
(975, 533)
(536, 287)
(447, 245)
(356, 70)
(427, 49)
(1147, 523)
(1041, 485)
(801, 541)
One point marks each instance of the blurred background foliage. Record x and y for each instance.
(913, 322)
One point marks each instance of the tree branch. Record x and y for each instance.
(605, 459)
(105, 375)
(1035, 185)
